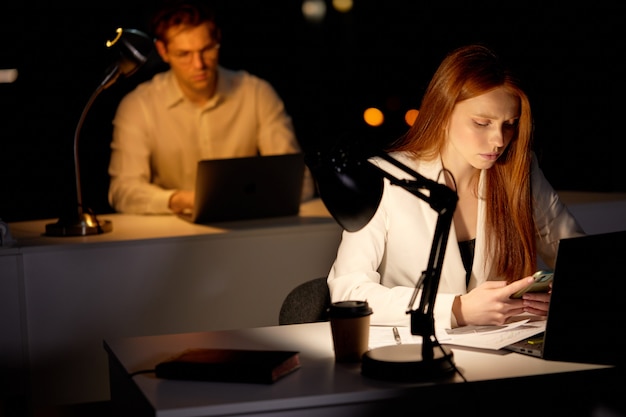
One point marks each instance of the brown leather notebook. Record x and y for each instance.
(230, 365)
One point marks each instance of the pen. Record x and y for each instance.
(396, 335)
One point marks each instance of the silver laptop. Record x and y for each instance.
(247, 188)
(585, 320)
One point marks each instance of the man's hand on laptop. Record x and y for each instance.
(182, 201)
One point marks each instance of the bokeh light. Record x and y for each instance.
(314, 10)
(410, 116)
(373, 116)
(343, 6)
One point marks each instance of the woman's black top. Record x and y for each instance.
(467, 255)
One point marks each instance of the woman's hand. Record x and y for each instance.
(537, 302)
(490, 303)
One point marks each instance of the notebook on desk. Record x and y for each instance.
(585, 321)
(247, 188)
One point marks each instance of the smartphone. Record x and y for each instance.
(542, 282)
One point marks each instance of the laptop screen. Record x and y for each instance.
(248, 188)
(585, 320)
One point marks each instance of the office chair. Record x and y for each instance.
(306, 303)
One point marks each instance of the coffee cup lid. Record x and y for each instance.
(349, 308)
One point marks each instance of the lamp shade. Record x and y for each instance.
(131, 49)
(348, 184)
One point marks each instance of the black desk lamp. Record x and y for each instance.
(351, 189)
(132, 49)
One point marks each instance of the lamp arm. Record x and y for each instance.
(443, 200)
(422, 318)
(112, 74)
(440, 197)
(79, 126)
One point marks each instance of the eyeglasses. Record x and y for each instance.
(186, 57)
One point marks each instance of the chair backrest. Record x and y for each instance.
(306, 303)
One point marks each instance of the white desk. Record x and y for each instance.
(321, 387)
(61, 296)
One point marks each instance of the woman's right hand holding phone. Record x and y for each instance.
(491, 303)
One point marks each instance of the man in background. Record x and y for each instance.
(195, 110)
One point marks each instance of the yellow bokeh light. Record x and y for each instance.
(410, 116)
(343, 6)
(373, 116)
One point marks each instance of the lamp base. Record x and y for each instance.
(82, 225)
(404, 363)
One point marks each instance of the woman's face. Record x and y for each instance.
(481, 128)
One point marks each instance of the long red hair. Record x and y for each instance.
(468, 72)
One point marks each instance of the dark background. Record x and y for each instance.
(381, 54)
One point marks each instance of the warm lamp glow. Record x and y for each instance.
(117, 37)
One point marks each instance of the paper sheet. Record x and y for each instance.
(491, 337)
(383, 336)
(484, 337)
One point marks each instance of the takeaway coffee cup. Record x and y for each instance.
(350, 326)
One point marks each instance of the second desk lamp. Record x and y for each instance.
(132, 49)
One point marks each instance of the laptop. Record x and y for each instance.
(247, 188)
(585, 321)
